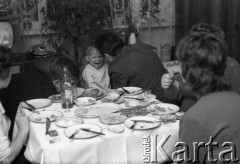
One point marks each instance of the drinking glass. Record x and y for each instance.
(149, 96)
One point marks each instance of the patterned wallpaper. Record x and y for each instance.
(29, 12)
(142, 13)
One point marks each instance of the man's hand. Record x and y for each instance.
(167, 80)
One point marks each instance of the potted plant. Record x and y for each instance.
(74, 24)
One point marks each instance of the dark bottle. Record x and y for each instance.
(66, 91)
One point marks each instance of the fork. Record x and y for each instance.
(72, 137)
(119, 96)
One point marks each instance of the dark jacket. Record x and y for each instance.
(25, 86)
(215, 117)
(138, 65)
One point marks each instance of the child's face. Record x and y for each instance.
(95, 59)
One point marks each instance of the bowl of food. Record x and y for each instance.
(132, 103)
(113, 98)
(56, 98)
(68, 121)
(163, 108)
(93, 92)
(85, 101)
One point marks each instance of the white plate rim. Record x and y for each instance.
(70, 117)
(131, 88)
(54, 101)
(98, 97)
(163, 104)
(93, 134)
(95, 116)
(121, 100)
(142, 118)
(93, 102)
(48, 103)
(56, 111)
(124, 118)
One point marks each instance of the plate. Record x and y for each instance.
(141, 125)
(82, 134)
(97, 110)
(133, 103)
(134, 111)
(93, 92)
(116, 128)
(133, 91)
(56, 98)
(65, 122)
(110, 99)
(163, 108)
(85, 101)
(41, 116)
(100, 95)
(79, 91)
(112, 119)
(37, 103)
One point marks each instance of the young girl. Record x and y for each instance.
(95, 73)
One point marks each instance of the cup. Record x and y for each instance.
(150, 97)
(148, 91)
(75, 92)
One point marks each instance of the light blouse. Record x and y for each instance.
(4, 128)
(100, 76)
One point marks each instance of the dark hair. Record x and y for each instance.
(203, 28)
(109, 43)
(5, 62)
(203, 61)
(56, 67)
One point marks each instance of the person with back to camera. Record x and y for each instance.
(214, 118)
(56, 72)
(135, 65)
(175, 91)
(95, 73)
(9, 151)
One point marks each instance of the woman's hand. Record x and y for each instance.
(22, 120)
(23, 123)
(167, 80)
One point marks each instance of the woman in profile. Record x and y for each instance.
(9, 151)
(214, 118)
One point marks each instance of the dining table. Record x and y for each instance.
(130, 146)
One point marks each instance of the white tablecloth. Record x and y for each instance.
(112, 148)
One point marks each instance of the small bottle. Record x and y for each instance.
(66, 91)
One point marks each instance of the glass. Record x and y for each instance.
(66, 91)
(74, 92)
(167, 118)
(149, 96)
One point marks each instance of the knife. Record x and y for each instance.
(48, 123)
(146, 121)
(30, 105)
(125, 90)
(119, 96)
(132, 126)
(88, 130)
(134, 98)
